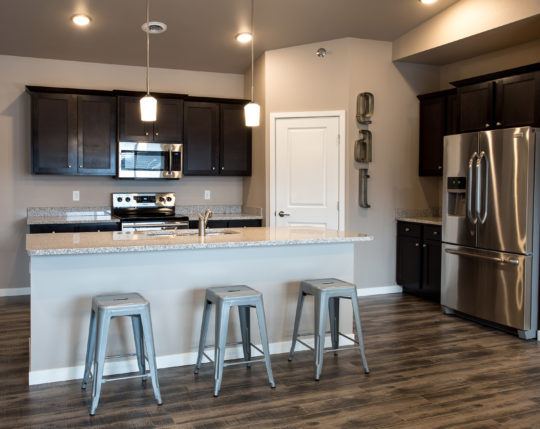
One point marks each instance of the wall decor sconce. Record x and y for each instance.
(365, 104)
(362, 197)
(363, 146)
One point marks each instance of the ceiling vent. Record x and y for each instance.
(154, 27)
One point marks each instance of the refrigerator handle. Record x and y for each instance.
(472, 219)
(482, 188)
(485, 257)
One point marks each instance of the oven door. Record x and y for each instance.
(154, 225)
(149, 160)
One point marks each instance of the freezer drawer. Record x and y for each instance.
(493, 286)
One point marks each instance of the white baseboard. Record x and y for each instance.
(382, 290)
(15, 291)
(168, 361)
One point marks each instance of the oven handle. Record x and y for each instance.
(168, 225)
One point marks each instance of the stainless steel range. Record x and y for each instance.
(147, 211)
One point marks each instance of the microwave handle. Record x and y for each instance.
(170, 159)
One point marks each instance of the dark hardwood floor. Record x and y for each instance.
(428, 370)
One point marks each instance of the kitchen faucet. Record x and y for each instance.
(203, 221)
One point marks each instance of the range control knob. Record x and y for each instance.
(169, 199)
(119, 199)
(128, 199)
(161, 199)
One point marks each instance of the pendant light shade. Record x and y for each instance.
(148, 103)
(252, 111)
(148, 108)
(252, 114)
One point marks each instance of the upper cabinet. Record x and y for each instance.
(73, 132)
(216, 140)
(437, 118)
(500, 103)
(168, 127)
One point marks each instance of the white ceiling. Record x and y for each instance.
(200, 33)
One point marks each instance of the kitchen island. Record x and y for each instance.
(172, 272)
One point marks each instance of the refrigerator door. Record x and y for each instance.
(458, 211)
(505, 188)
(493, 286)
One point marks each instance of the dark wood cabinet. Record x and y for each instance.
(232, 223)
(507, 102)
(437, 118)
(168, 127)
(73, 133)
(418, 259)
(216, 140)
(73, 227)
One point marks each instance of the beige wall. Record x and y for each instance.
(520, 55)
(20, 189)
(297, 80)
(460, 21)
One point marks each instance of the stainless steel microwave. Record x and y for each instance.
(138, 160)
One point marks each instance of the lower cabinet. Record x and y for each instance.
(74, 227)
(418, 261)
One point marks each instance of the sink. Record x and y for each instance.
(188, 232)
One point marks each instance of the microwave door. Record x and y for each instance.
(459, 189)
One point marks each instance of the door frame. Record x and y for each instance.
(340, 114)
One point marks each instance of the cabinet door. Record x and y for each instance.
(169, 120)
(130, 126)
(516, 101)
(431, 269)
(235, 141)
(475, 106)
(96, 135)
(200, 138)
(451, 115)
(408, 263)
(432, 128)
(54, 133)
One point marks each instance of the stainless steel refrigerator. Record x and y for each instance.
(491, 229)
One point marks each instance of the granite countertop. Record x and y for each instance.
(118, 241)
(428, 220)
(66, 215)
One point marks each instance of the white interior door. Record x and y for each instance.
(307, 172)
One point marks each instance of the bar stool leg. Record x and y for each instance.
(151, 353)
(90, 349)
(299, 305)
(204, 329)
(320, 332)
(103, 322)
(356, 311)
(264, 339)
(245, 330)
(139, 344)
(333, 314)
(222, 323)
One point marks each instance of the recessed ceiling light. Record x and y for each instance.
(427, 1)
(154, 27)
(243, 37)
(81, 19)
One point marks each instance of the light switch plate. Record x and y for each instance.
(76, 196)
(207, 195)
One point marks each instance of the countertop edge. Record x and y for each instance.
(421, 219)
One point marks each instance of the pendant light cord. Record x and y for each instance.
(252, 38)
(147, 47)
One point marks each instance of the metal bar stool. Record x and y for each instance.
(105, 308)
(327, 293)
(225, 297)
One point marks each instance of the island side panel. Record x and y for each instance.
(174, 282)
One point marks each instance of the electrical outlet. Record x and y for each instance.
(76, 196)
(207, 195)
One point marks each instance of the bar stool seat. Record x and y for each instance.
(105, 308)
(327, 293)
(225, 297)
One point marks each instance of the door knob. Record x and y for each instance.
(283, 214)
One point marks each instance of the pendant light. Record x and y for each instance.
(252, 111)
(148, 103)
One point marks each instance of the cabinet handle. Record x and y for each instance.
(416, 244)
(69, 166)
(487, 125)
(80, 166)
(499, 124)
(157, 133)
(424, 245)
(407, 229)
(213, 168)
(146, 133)
(439, 167)
(435, 232)
(222, 168)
